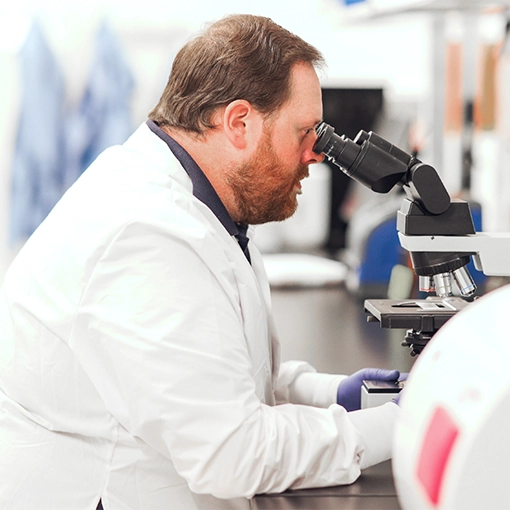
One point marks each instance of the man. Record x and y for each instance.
(137, 359)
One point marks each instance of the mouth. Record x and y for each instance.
(298, 187)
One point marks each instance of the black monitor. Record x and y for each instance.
(348, 110)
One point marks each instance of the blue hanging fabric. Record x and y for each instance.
(104, 115)
(37, 170)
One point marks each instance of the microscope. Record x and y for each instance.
(455, 410)
(436, 230)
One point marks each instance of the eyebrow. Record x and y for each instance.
(313, 124)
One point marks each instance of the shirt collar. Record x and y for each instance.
(202, 188)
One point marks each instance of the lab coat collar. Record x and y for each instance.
(202, 188)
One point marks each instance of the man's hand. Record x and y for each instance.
(349, 390)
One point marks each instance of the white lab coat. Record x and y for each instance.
(138, 362)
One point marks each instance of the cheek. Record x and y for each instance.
(289, 153)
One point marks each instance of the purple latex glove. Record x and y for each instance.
(349, 390)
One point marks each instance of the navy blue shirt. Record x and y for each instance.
(203, 189)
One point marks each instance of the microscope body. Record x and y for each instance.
(454, 411)
(427, 209)
(437, 231)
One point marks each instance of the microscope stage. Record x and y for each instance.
(419, 314)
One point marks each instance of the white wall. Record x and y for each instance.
(392, 52)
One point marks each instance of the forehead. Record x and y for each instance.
(305, 102)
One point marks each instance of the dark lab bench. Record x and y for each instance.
(374, 490)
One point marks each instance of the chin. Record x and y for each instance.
(286, 213)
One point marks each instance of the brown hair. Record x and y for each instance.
(239, 57)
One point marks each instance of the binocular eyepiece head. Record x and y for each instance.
(368, 159)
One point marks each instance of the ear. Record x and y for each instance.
(242, 123)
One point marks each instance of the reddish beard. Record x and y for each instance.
(265, 188)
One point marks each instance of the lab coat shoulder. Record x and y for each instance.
(140, 189)
(129, 194)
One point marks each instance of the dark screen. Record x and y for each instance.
(348, 110)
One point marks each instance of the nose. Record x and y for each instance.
(310, 157)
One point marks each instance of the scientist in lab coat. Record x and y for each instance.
(138, 363)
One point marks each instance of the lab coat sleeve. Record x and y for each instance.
(299, 383)
(376, 427)
(172, 366)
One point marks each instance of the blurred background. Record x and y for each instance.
(433, 77)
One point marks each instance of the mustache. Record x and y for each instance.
(303, 172)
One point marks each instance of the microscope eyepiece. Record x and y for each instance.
(368, 159)
(338, 149)
(324, 132)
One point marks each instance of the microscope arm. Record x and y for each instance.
(490, 250)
